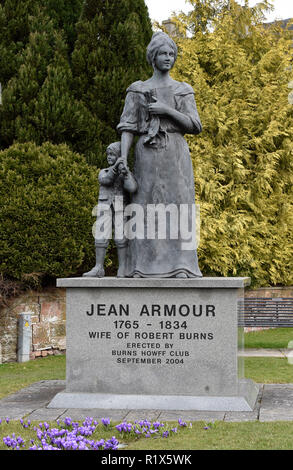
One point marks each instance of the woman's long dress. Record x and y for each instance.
(164, 175)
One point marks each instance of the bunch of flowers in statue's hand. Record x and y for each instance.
(158, 107)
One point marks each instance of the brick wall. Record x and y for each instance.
(48, 318)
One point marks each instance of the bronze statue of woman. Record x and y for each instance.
(160, 111)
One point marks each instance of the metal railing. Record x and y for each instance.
(264, 312)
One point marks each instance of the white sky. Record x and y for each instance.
(160, 10)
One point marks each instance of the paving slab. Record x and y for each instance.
(29, 399)
(150, 415)
(78, 414)
(45, 414)
(277, 403)
(277, 396)
(35, 395)
(13, 412)
(278, 414)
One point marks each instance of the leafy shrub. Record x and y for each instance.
(243, 167)
(47, 194)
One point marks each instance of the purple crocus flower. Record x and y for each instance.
(153, 431)
(67, 421)
(106, 421)
(99, 444)
(181, 423)
(157, 424)
(111, 444)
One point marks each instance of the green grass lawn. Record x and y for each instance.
(225, 436)
(268, 369)
(14, 376)
(277, 338)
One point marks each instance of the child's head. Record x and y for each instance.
(113, 152)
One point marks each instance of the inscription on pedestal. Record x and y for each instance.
(132, 345)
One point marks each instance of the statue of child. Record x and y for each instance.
(116, 182)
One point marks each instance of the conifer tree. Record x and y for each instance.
(16, 18)
(109, 54)
(65, 14)
(243, 166)
(14, 33)
(38, 104)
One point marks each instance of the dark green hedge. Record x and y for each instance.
(47, 194)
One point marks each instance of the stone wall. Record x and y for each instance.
(48, 319)
(270, 292)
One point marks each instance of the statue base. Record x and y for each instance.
(245, 401)
(169, 344)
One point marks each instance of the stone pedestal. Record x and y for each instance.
(167, 344)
